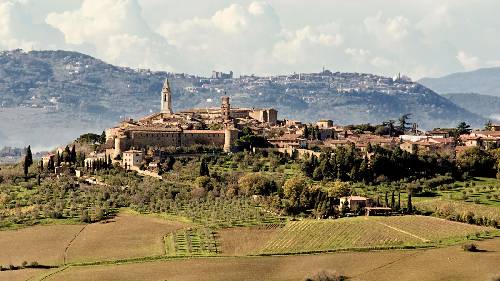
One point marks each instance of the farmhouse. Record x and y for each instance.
(353, 202)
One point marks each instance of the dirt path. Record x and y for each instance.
(405, 232)
(70, 242)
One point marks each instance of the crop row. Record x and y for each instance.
(191, 242)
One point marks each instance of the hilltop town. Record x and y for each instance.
(142, 144)
(44, 87)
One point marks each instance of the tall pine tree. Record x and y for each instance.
(28, 161)
(204, 171)
(73, 155)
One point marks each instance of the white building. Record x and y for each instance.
(132, 159)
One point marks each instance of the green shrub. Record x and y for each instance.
(470, 247)
(326, 276)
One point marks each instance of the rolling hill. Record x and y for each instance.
(484, 105)
(485, 81)
(50, 97)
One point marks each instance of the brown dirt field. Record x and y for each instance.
(44, 244)
(20, 275)
(450, 263)
(125, 236)
(243, 241)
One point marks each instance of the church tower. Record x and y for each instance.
(166, 99)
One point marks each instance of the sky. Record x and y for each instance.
(424, 38)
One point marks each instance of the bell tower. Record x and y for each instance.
(166, 99)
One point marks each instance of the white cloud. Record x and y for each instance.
(307, 44)
(417, 38)
(437, 20)
(237, 33)
(359, 56)
(18, 30)
(117, 31)
(467, 61)
(380, 62)
(387, 29)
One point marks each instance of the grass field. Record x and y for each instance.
(367, 233)
(21, 275)
(44, 244)
(450, 263)
(125, 236)
(243, 241)
(150, 247)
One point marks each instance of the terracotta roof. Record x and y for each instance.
(204, 131)
(287, 137)
(487, 133)
(441, 131)
(153, 129)
(132, 151)
(356, 198)
(436, 140)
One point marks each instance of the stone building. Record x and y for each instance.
(132, 159)
(186, 128)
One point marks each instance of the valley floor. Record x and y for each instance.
(450, 263)
(147, 247)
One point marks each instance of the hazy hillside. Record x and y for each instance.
(484, 81)
(50, 97)
(484, 105)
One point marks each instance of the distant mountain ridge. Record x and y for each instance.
(485, 81)
(484, 105)
(49, 97)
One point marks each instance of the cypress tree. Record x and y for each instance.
(204, 171)
(409, 204)
(399, 200)
(102, 139)
(29, 156)
(73, 154)
(26, 166)
(305, 134)
(318, 133)
(28, 160)
(50, 165)
(67, 154)
(58, 159)
(392, 199)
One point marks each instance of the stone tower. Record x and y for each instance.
(225, 108)
(230, 136)
(166, 99)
